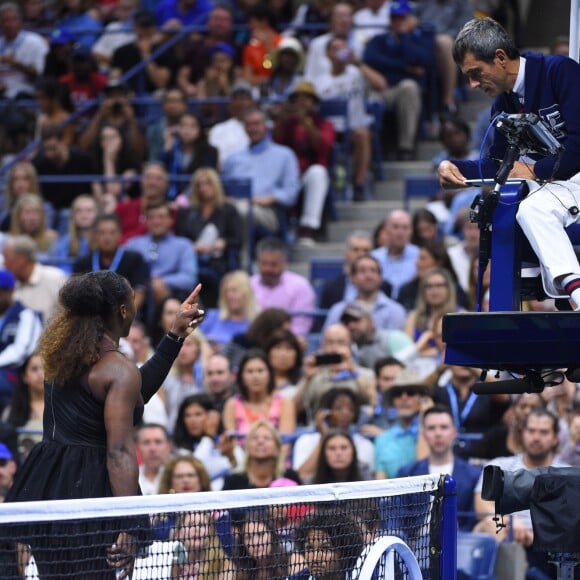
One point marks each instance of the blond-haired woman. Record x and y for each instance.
(236, 310)
(22, 179)
(29, 218)
(215, 228)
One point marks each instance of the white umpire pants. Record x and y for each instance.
(543, 215)
(315, 181)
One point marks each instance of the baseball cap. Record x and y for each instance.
(60, 36)
(401, 8)
(357, 310)
(241, 87)
(5, 453)
(223, 47)
(81, 52)
(7, 280)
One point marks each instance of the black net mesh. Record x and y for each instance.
(294, 539)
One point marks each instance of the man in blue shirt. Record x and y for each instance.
(172, 259)
(176, 13)
(548, 86)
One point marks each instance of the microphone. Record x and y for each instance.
(507, 387)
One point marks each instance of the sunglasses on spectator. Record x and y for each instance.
(410, 392)
(4, 462)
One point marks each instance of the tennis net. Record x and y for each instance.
(347, 531)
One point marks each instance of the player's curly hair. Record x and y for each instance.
(71, 340)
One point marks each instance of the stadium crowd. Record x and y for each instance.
(283, 383)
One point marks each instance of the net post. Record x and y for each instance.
(448, 560)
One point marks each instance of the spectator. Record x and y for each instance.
(109, 255)
(218, 381)
(338, 461)
(236, 310)
(447, 17)
(260, 554)
(397, 446)
(84, 82)
(7, 467)
(570, 451)
(57, 158)
(403, 56)
(161, 132)
(217, 81)
(439, 433)
(310, 19)
(264, 38)
(82, 23)
(369, 342)
(276, 286)
(184, 474)
(287, 66)
(465, 251)
(197, 52)
(37, 15)
(264, 459)
(161, 319)
(215, 227)
(339, 410)
(383, 415)
(37, 286)
(173, 14)
(117, 32)
(345, 81)
(114, 159)
(55, 107)
(131, 212)
(58, 59)
(189, 152)
(194, 433)
(154, 447)
(116, 110)
(301, 128)
(203, 552)
(140, 345)
(29, 219)
(23, 55)
(156, 72)
(398, 257)
(425, 227)
(341, 288)
(21, 180)
(257, 398)
(230, 135)
(317, 61)
(471, 413)
(329, 544)
(505, 438)
(172, 260)
(431, 255)
(320, 378)
(372, 19)
(285, 355)
(258, 334)
(540, 440)
(366, 277)
(19, 334)
(273, 170)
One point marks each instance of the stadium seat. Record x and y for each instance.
(476, 555)
(322, 270)
(425, 186)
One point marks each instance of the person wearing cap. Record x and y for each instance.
(22, 54)
(367, 279)
(117, 33)
(230, 136)
(196, 51)
(80, 20)
(439, 433)
(287, 63)
(173, 14)
(397, 446)
(301, 128)
(156, 72)
(20, 329)
(371, 343)
(403, 56)
(83, 82)
(7, 469)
